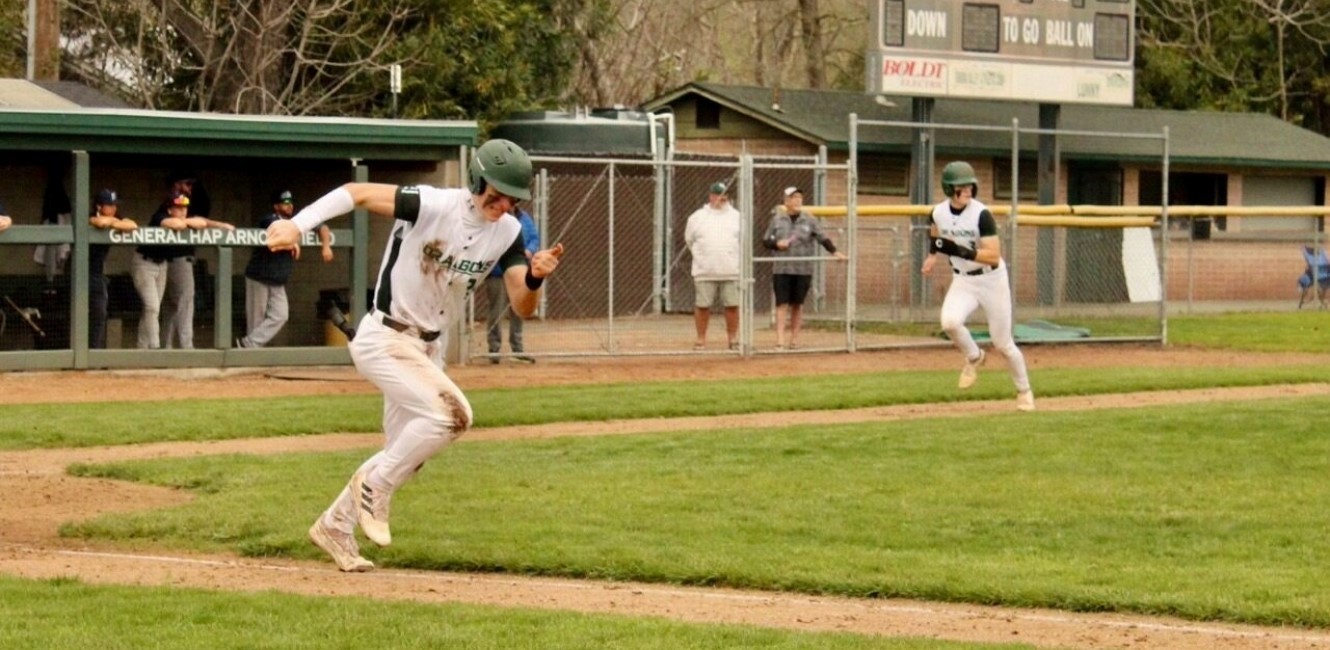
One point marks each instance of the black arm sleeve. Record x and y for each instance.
(515, 255)
(406, 205)
(826, 243)
(987, 224)
(949, 247)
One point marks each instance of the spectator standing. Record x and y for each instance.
(149, 270)
(712, 235)
(105, 216)
(499, 307)
(793, 233)
(266, 275)
(178, 304)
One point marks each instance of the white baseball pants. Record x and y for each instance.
(992, 291)
(423, 410)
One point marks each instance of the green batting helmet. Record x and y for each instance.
(958, 173)
(505, 166)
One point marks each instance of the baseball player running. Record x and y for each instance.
(443, 243)
(964, 230)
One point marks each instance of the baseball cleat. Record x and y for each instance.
(970, 373)
(341, 546)
(372, 510)
(1025, 401)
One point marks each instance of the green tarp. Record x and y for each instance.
(1037, 330)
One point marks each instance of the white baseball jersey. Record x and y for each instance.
(966, 229)
(441, 246)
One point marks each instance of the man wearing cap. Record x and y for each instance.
(149, 269)
(266, 307)
(105, 216)
(793, 233)
(178, 302)
(712, 236)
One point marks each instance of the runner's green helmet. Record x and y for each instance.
(504, 165)
(958, 173)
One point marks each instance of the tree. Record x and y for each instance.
(12, 47)
(236, 56)
(1237, 55)
(466, 60)
(632, 50)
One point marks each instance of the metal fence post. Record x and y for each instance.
(852, 229)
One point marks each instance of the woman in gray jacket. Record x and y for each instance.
(794, 233)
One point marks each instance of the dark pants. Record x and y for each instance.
(494, 317)
(97, 301)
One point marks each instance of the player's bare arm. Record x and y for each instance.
(523, 297)
(990, 250)
(930, 259)
(175, 223)
(325, 240)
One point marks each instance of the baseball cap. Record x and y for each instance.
(107, 197)
(793, 190)
(180, 199)
(717, 188)
(282, 196)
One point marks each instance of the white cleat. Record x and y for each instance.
(1025, 401)
(372, 510)
(341, 546)
(970, 373)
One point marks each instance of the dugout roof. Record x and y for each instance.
(208, 134)
(821, 117)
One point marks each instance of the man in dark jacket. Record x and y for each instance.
(266, 307)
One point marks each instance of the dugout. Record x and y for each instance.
(241, 159)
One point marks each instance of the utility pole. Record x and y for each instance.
(43, 40)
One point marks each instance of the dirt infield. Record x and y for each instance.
(31, 547)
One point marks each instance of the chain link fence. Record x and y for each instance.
(626, 288)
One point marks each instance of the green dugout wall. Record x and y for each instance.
(240, 158)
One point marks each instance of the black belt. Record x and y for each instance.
(407, 329)
(978, 271)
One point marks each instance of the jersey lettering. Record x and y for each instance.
(467, 267)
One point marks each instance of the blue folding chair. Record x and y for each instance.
(1316, 279)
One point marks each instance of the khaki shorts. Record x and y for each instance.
(707, 291)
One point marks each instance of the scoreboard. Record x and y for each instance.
(1047, 51)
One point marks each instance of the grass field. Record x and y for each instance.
(68, 614)
(1177, 510)
(1207, 511)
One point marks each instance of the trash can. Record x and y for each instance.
(1200, 227)
(333, 308)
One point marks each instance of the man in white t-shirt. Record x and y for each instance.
(712, 236)
(443, 243)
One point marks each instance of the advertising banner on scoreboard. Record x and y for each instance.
(1077, 51)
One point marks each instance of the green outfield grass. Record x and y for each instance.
(41, 615)
(1297, 331)
(1207, 511)
(1307, 330)
(91, 424)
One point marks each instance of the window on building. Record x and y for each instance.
(1028, 178)
(1187, 188)
(884, 174)
(708, 114)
